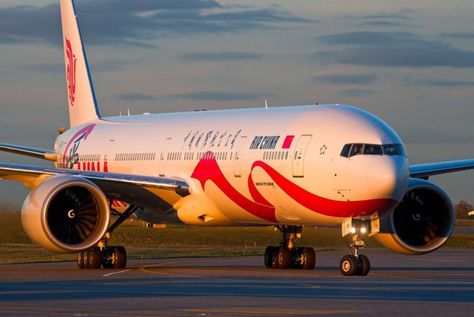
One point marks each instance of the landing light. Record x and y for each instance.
(363, 230)
(353, 230)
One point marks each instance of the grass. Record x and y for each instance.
(179, 241)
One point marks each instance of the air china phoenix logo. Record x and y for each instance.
(70, 155)
(70, 72)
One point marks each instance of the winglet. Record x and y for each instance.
(80, 90)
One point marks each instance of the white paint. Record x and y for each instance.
(115, 273)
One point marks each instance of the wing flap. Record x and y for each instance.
(430, 169)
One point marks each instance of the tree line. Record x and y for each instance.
(462, 210)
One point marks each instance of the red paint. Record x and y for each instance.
(208, 170)
(70, 72)
(328, 207)
(287, 142)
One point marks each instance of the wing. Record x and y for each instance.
(29, 151)
(430, 169)
(145, 191)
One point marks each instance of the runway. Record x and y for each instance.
(438, 284)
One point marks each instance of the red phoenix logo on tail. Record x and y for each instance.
(70, 72)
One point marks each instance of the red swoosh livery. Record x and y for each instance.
(208, 170)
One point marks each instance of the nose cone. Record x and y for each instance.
(387, 177)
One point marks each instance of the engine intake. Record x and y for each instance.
(66, 214)
(421, 223)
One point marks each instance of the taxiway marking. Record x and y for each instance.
(114, 273)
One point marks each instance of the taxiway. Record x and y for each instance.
(438, 284)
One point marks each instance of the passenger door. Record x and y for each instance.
(237, 157)
(299, 155)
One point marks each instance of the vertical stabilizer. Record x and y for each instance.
(80, 90)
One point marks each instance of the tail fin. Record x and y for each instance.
(81, 97)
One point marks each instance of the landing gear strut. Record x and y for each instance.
(355, 263)
(110, 257)
(287, 255)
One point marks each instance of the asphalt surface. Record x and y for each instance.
(438, 284)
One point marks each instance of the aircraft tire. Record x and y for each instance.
(120, 256)
(364, 265)
(307, 258)
(283, 258)
(81, 260)
(269, 256)
(94, 258)
(349, 265)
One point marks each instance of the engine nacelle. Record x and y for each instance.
(65, 214)
(421, 223)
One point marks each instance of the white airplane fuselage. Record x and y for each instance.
(251, 166)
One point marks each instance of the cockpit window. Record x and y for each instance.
(346, 150)
(394, 149)
(357, 149)
(372, 149)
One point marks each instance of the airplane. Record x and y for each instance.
(289, 167)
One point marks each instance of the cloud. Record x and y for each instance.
(52, 68)
(108, 65)
(347, 79)
(28, 24)
(458, 36)
(387, 16)
(385, 23)
(220, 96)
(436, 82)
(123, 22)
(135, 97)
(220, 57)
(392, 49)
(355, 92)
(384, 19)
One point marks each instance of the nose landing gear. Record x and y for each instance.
(355, 263)
(287, 255)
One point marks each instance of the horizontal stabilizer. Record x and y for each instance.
(29, 151)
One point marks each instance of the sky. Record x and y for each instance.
(409, 62)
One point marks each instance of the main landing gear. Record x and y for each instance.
(355, 263)
(287, 255)
(109, 257)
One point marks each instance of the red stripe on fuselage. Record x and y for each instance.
(328, 207)
(208, 169)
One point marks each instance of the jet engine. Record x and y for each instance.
(421, 223)
(66, 214)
